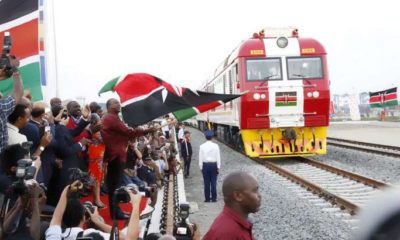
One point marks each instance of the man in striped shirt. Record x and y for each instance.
(7, 104)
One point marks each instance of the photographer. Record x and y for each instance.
(23, 198)
(8, 103)
(72, 213)
(26, 206)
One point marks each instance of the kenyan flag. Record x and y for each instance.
(285, 99)
(21, 19)
(385, 98)
(145, 98)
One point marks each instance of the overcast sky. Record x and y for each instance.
(182, 41)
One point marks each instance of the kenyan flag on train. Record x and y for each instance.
(285, 99)
(145, 98)
(385, 98)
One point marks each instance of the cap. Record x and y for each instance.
(186, 132)
(209, 133)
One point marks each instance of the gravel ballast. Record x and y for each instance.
(284, 213)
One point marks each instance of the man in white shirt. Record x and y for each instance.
(181, 132)
(17, 120)
(210, 163)
(165, 126)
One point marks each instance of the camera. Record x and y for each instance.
(89, 209)
(25, 174)
(121, 194)
(77, 174)
(27, 146)
(5, 56)
(146, 191)
(181, 229)
(64, 115)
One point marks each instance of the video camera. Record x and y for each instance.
(5, 56)
(181, 229)
(122, 195)
(25, 174)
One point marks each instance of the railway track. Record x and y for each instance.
(392, 151)
(345, 189)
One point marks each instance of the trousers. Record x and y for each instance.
(210, 181)
(115, 173)
(187, 161)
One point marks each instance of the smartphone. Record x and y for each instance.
(47, 129)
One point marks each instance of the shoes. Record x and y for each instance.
(120, 215)
(214, 200)
(146, 212)
(100, 206)
(206, 200)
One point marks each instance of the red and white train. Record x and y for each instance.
(286, 109)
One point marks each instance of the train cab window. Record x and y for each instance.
(304, 67)
(264, 69)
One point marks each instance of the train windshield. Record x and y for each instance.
(304, 67)
(264, 69)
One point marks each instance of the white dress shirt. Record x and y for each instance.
(209, 152)
(14, 137)
(72, 233)
(164, 125)
(181, 134)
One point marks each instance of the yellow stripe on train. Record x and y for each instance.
(283, 142)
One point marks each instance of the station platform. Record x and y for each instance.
(386, 133)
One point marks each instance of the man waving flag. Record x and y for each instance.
(145, 97)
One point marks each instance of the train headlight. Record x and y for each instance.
(263, 96)
(315, 94)
(309, 94)
(282, 42)
(256, 96)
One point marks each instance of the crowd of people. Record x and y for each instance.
(53, 155)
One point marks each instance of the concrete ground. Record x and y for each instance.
(204, 213)
(386, 133)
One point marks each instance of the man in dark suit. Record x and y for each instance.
(186, 152)
(67, 150)
(116, 136)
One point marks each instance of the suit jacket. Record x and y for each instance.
(116, 136)
(186, 148)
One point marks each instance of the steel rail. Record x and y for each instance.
(363, 146)
(316, 189)
(341, 202)
(353, 176)
(394, 148)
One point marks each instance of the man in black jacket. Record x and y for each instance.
(186, 152)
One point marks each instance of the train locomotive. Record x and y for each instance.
(285, 111)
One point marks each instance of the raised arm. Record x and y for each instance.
(18, 91)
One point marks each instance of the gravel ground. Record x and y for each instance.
(283, 214)
(382, 168)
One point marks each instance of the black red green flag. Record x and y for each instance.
(145, 98)
(385, 98)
